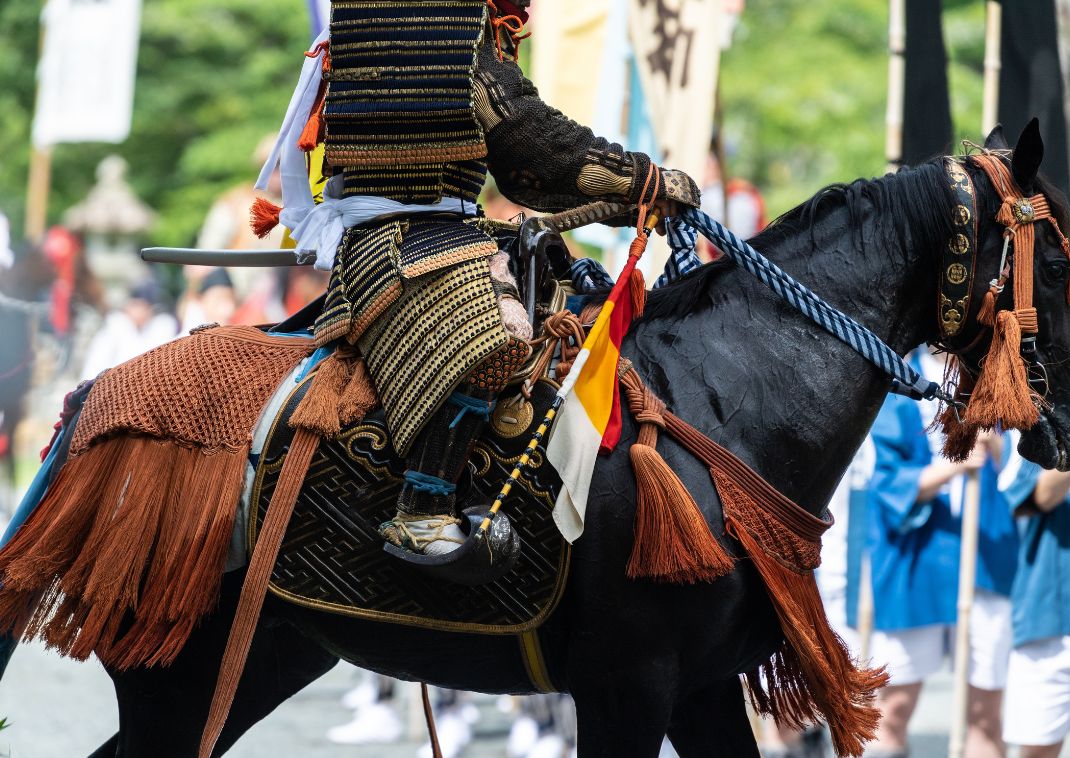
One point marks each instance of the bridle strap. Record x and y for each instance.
(959, 259)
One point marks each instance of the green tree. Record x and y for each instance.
(804, 89)
(213, 80)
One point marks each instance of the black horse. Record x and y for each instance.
(643, 660)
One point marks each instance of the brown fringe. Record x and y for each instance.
(673, 542)
(987, 314)
(812, 677)
(1002, 396)
(960, 438)
(341, 393)
(132, 529)
(359, 396)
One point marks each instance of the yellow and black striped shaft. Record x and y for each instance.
(521, 464)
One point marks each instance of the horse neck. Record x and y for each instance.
(758, 377)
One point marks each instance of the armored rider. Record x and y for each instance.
(422, 97)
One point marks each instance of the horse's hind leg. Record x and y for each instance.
(713, 722)
(162, 711)
(623, 711)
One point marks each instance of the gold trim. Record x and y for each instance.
(534, 663)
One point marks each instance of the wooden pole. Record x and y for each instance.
(40, 183)
(971, 517)
(897, 37)
(993, 64)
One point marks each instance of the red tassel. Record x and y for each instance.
(637, 286)
(263, 217)
(310, 135)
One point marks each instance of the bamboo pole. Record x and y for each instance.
(38, 188)
(893, 120)
(971, 512)
(993, 64)
(39, 182)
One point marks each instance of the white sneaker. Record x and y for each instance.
(375, 723)
(362, 695)
(523, 735)
(453, 735)
(550, 746)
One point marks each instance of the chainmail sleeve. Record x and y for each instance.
(543, 160)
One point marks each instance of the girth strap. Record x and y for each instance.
(254, 589)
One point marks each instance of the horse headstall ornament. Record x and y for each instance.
(1017, 214)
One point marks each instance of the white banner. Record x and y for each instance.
(677, 50)
(86, 73)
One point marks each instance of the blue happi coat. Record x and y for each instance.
(914, 546)
(1040, 598)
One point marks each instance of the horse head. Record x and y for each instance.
(1013, 347)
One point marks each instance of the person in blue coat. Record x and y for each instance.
(914, 539)
(1038, 676)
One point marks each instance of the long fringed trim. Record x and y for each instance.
(131, 526)
(812, 676)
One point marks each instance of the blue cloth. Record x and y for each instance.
(1040, 598)
(914, 546)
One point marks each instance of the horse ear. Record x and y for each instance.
(1028, 154)
(996, 140)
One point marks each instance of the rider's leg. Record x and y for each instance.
(427, 507)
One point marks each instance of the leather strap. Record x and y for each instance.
(959, 258)
(294, 468)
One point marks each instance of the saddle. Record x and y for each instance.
(332, 556)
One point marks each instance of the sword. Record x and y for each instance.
(245, 258)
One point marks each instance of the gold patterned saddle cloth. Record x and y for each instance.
(332, 557)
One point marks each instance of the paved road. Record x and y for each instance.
(62, 709)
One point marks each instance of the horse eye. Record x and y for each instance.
(1056, 270)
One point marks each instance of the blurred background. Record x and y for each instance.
(125, 125)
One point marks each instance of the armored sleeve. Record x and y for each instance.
(543, 160)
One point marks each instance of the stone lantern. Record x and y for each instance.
(112, 221)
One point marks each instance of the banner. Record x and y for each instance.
(1031, 81)
(319, 15)
(86, 73)
(926, 105)
(677, 50)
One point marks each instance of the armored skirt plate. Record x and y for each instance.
(332, 557)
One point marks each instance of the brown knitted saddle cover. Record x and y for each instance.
(332, 557)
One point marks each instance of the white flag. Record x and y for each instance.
(86, 73)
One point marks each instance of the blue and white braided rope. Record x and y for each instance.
(906, 381)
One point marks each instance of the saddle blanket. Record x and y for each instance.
(332, 556)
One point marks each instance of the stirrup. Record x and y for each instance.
(479, 560)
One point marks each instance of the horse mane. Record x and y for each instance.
(913, 204)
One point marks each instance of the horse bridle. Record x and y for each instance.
(1018, 214)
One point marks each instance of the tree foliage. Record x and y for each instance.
(213, 79)
(804, 88)
(803, 93)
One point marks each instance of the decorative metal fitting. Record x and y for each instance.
(1023, 211)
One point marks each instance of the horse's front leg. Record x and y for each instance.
(623, 707)
(713, 722)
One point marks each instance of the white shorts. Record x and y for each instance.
(913, 655)
(1037, 700)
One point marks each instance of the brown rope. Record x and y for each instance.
(254, 589)
(429, 716)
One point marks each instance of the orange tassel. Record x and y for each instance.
(960, 438)
(637, 286)
(318, 409)
(310, 135)
(263, 217)
(673, 542)
(359, 395)
(1002, 396)
(987, 314)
